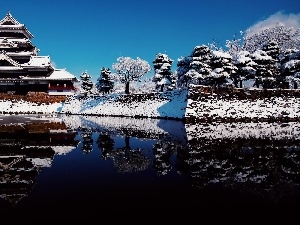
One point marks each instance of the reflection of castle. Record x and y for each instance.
(24, 150)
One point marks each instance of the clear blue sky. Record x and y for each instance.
(88, 35)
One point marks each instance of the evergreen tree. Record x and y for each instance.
(264, 69)
(195, 69)
(221, 68)
(183, 66)
(245, 68)
(105, 82)
(272, 49)
(86, 83)
(290, 66)
(163, 76)
(200, 68)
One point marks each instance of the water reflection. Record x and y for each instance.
(260, 158)
(25, 150)
(168, 137)
(142, 165)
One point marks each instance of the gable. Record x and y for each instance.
(9, 20)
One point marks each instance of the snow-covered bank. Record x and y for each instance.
(264, 130)
(278, 108)
(235, 105)
(156, 105)
(191, 105)
(25, 107)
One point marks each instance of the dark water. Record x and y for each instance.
(100, 170)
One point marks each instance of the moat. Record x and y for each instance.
(147, 171)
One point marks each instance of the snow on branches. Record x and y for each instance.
(128, 69)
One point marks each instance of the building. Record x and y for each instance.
(22, 70)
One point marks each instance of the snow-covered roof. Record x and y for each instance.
(9, 19)
(14, 39)
(4, 68)
(38, 61)
(27, 53)
(61, 74)
(9, 22)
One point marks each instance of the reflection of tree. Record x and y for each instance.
(87, 143)
(163, 151)
(129, 160)
(262, 167)
(106, 143)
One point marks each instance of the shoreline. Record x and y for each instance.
(198, 104)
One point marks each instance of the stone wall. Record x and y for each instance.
(207, 104)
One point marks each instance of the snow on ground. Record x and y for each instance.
(262, 108)
(172, 104)
(29, 107)
(274, 131)
(169, 105)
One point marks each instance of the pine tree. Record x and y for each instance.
(264, 67)
(245, 68)
(222, 68)
(290, 66)
(183, 66)
(163, 76)
(105, 82)
(86, 83)
(271, 48)
(195, 69)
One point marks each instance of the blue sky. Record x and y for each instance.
(88, 35)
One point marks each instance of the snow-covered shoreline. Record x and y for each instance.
(176, 104)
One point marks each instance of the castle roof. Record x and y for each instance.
(19, 59)
(10, 23)
(56, 74)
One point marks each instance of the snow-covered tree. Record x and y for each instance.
(291, 66)
(195, 69)
(86, 83)
(221, 68)
(234, 46)
(183, 66)
(264, 69)
(200, 65)
(128, 70)
(105, 82)
(163, 76)
(286, 38)
(272, 49)
(245, 68)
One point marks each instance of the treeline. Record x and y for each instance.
(269, 59)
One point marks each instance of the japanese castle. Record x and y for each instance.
(22, 70)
